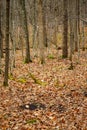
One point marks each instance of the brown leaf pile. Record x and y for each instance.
(64, 96)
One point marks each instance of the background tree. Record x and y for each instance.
(0, 38)
(71, 26)
(77, 24)
(1, 35)
(65, 29)
(44, 24)
(83, 24)
(41, 30)
(7, 43)
(76, 38)
(25, 25)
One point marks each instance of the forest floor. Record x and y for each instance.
(45, 97)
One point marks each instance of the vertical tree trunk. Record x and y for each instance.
(7, 43)
(83, 27)
(1, 36)
(56, 26)
(12, 35)
(83, 44)
(0, 26)
(27, 57)
(71, 23)
(34, 30)
(34, 26)
(65, 30)
(41, 31)
(44, 27)
(77, 28)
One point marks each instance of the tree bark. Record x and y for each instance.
(65, 30)
(76, 25)
(25, 26)
(1, 36)
(41, 31)
(71, 23)
(7, 43)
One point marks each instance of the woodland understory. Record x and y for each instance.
(51, 96)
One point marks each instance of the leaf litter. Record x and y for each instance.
(60, 104)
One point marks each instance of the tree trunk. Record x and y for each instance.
(7, 43)
(76, 27)
(65, 30)
(41, 31)
(71, 23)
(44, 27)
(25, 26)
(34, 30)
(77, 31)
(83, 27)
(1, 36)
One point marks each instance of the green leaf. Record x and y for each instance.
(11, 77)
(31, 121)
(50, 56)
(22, 80)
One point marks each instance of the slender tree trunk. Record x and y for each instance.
(7, 43)
(83, 44)
(71, 23)
(34, 31)
(0, 29)
(41, 31)
(12, 35)
(1, 35)
(83, 27)
(0, 38)
(65, 30)
(44, 27)
(34, 26)
(77, 31)
(27, 57)
(76, 27)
